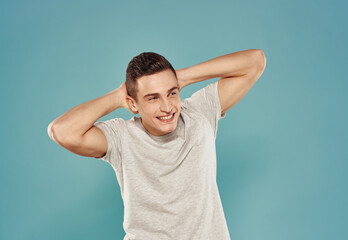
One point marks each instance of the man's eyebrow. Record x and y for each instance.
(156, 94)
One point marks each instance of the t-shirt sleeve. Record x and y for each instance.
(207, 102)
(112, 129)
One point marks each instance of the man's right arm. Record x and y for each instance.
(74, 129)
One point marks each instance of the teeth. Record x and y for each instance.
(166, 118)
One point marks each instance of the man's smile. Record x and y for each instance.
(166, 118)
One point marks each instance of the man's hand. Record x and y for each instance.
(123, 96)
(182, 81)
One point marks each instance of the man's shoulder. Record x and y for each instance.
(190, 110)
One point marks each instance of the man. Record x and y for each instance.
(165, 161)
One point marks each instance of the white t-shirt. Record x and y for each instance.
(168, 183)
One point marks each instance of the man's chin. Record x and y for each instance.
(168, 129)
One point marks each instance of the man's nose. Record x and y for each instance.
(166, 106)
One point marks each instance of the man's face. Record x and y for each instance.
(158, 102)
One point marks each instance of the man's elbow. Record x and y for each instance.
(261, 63)
(56, 135)
(50, 131)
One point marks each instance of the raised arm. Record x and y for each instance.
(74, 129)
(238, 72)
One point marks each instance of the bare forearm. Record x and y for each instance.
(75, 122)
(229, 65)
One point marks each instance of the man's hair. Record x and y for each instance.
(146, 63)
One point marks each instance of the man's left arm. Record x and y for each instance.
(238, 72)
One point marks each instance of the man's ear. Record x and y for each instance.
(132, 104)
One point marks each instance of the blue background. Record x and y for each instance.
(282, 150)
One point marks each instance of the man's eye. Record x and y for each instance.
(173, 93)
(153, 98)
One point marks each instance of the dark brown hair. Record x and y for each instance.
(146, 63)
